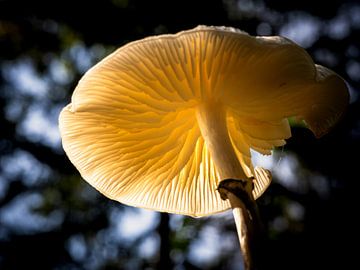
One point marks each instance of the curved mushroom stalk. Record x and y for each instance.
(162, 122)
(246, 216)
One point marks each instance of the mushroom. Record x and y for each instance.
(167, 122)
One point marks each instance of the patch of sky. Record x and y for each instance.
(28, 104)
(321, 185)
(106, 245)
(353, 51)
(354, 93)
(132, 222)
(176, 222)
(15, 108)
(288, 172)
(80, 56)
(302, 28)
(41, 126)
(354, 15)
(210, 236)
(149, 246)
(200, 253)
(19, 215)
(93, 251)
(251, 6)
(264, 29)
(23, 165)
(353, 70)
(295, 211)
(338, 27)
(23, 76)
(282, 167)
(76, 245)
(59, 71)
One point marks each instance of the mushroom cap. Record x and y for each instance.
(131, 128)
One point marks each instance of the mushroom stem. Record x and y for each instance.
(211, 117)
(235, 185)
(246, 217)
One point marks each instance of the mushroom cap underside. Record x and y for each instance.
(131, 128)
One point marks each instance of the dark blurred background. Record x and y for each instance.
(51, 219)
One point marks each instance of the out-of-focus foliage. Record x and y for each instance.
(51, 219)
